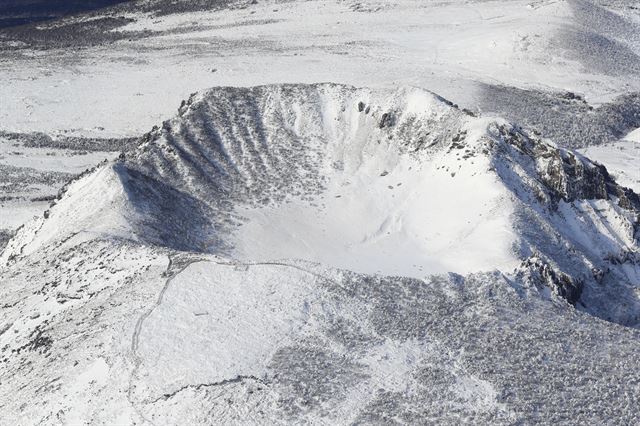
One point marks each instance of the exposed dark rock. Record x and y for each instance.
(568, 175)
(541, 274)
(387, 120)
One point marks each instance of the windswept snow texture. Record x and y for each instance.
(110, 338)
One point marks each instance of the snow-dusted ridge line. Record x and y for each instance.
(390, 182)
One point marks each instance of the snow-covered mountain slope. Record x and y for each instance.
(396, 183)
(568, 69)
(118, 333)
(33, 168)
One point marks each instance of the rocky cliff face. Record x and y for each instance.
(567, 175)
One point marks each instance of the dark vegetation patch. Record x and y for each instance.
(566, 118)
(5, 236)
(107, 15)
(42, 140)
(18, 179)
(21, 12)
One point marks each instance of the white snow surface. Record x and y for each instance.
(633, 136)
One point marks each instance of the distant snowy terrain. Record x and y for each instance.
(622, 159)
(145, 60)
(363, 212)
